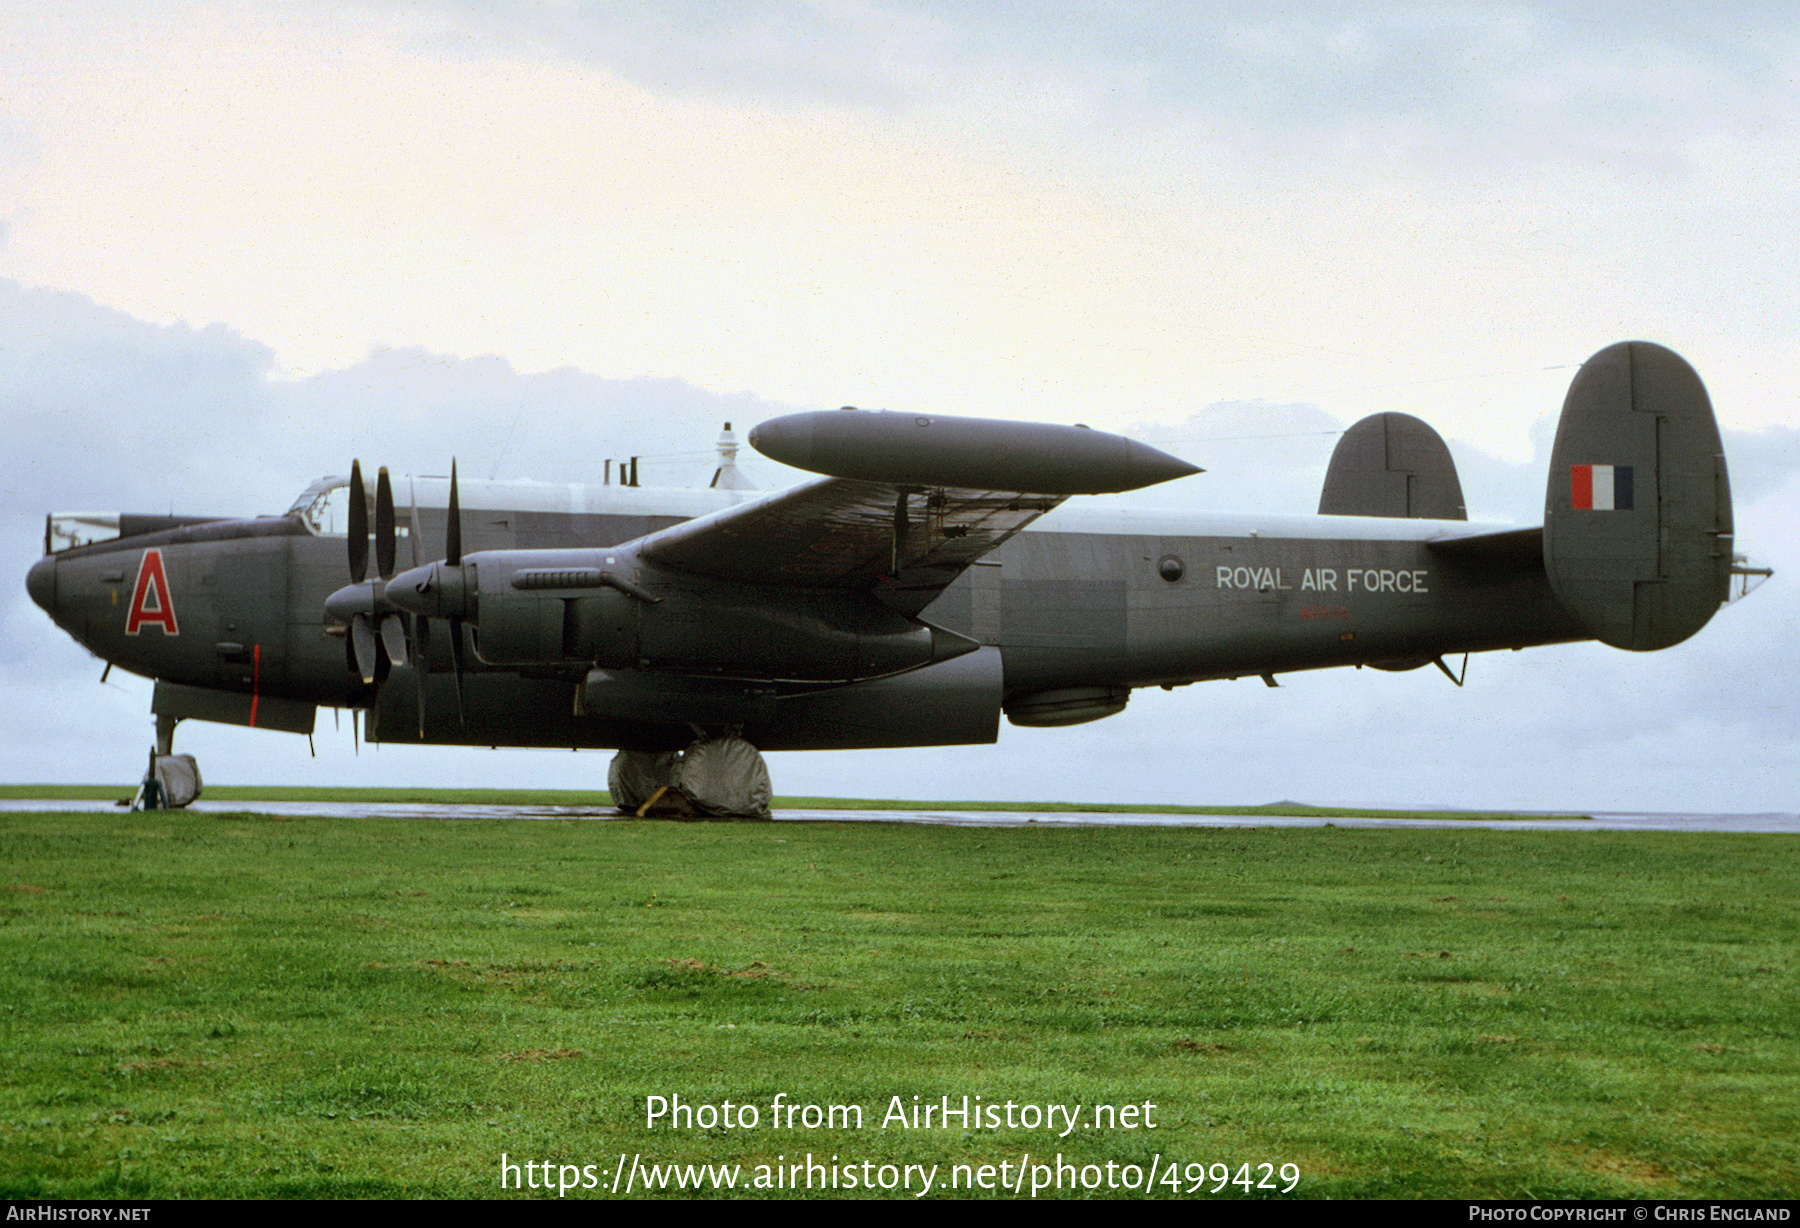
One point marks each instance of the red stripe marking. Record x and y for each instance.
(1581, 486)
(255, 680)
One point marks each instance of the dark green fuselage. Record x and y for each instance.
(1091, 599)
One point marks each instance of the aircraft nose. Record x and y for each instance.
(40, 582)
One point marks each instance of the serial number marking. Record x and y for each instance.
(1334, 613)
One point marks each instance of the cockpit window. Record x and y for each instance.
(324, 508)
(66, 530)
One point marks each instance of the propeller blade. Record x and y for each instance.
(393, 638)
(384, 526)
(422, 651)
(359, 525)
(456, 664)
(453, 527)
(362, 640)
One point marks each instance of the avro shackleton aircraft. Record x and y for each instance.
(895, 601)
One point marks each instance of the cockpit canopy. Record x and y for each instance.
(324, 508)
(67, 530)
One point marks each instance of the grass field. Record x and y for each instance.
(600, 797)
(229, 1005)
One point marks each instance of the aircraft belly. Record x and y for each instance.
(955, 702)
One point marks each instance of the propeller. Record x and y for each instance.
(377, 610)
(453, 558)
(377, 639)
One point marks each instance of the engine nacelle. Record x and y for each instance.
(535, 623)
(595, 608)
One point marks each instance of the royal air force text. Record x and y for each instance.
(1325, 579)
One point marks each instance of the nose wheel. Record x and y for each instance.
(171, 781)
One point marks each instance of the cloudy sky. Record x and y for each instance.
(242, 242)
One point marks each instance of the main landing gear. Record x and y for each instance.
(719, 777)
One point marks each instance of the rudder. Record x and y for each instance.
(1637, 517)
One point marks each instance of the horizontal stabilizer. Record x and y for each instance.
(1508, 550)
(1637, 517)
(1392, 465)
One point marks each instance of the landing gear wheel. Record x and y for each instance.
(636, 776)
(715, 777)
(725, 777)
(171, 781)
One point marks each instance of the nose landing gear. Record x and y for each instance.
(171, 781)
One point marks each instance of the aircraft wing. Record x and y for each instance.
(906, 543)
(909, 500)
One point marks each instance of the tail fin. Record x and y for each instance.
(1637, 518)
(1392, 465)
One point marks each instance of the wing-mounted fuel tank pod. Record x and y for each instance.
(973, 453)
(1637, 517)
(1392, 465)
